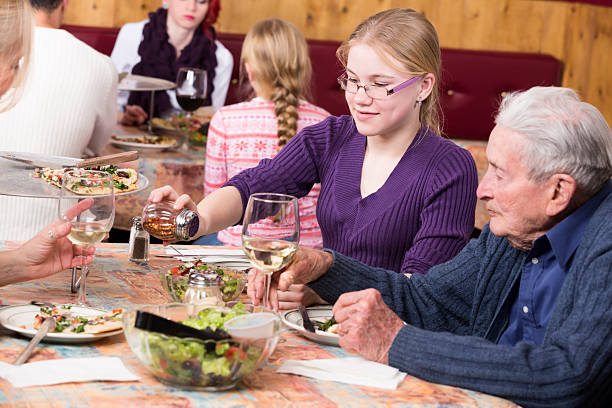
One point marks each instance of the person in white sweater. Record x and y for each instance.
(49, 251)
(67, 109)
(178, 35)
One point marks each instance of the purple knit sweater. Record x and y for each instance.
(422, 216)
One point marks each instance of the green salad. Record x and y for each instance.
(202, 363)
(175, 280)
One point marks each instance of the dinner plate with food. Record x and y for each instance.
(74, 324)
(162, 124)
(322, 318)
(146, 142)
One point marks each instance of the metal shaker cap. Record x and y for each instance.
(137, 222)
(203, 280)
(187, 224)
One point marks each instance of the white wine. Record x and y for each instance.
(269, 254)
(86, 234)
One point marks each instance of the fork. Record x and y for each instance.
(45, 327)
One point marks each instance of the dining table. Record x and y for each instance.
(181, 167)
(115, 282)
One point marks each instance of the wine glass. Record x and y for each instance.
(270, 234)
(191, 87)
(90, 226)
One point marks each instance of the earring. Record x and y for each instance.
(418, 102)
(165, 5)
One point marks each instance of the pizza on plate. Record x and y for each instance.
(160, 140)
(67, 322)
(124, 179)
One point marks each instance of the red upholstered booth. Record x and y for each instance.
(472, 82)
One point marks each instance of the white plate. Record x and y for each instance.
(14, 317)
(293, 319)
(126, 144)
(143, 83)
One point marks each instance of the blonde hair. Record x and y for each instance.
(412, 43)
(278, 58)
(15, 38)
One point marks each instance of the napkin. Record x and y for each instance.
(64, 370)
(228, 257)
(218, 251)
(349, 370)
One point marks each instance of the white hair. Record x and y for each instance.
(564, 135)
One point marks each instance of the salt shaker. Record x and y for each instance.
(139, 242)
(203, 289)
(164, 222)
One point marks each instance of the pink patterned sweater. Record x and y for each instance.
(239, 137)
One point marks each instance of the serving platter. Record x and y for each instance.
(132, 82)
(20, 319)
(17, 180)
(293, 319)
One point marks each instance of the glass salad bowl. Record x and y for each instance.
(231, 281)
(193, 128)
(206, 365)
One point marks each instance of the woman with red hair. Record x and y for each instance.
(178, 35)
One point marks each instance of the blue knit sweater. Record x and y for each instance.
(422, 215)
(457, 312)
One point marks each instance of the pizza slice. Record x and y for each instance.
(67, 322)
(124, 179)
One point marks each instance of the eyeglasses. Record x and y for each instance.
(372, 90)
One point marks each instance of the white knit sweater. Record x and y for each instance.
(68, 108)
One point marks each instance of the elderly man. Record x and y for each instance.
(525, 311)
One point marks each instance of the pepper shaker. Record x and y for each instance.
(139, 242)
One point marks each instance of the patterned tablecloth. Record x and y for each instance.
(182, 168)
(116, 282)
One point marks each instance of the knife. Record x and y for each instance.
(44, 160)
(306, 322)
(45, 327)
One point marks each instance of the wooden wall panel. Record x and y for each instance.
(98, 13)
(578, 34)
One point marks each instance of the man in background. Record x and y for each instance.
(67, 109)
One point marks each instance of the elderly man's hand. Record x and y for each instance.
(366, 325)
(307, 266)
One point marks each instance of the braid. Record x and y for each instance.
(285, 109)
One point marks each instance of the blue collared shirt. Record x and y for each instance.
(544, 272)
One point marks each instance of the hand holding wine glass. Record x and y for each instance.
(90, 226)
(191, 88)
(270, 233)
